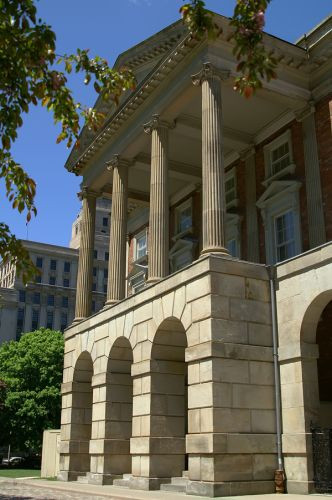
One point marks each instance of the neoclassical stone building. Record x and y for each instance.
(200, 373)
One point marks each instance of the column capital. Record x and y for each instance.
(117, 161)
(303, 113)
(209, 71)
(86, 192)
(156, 123)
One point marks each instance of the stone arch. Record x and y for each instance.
(168, 425)
(119, 407)
(81, 415)
(312, 315)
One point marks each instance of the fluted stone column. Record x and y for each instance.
(316, 221)
(213, 189)
(159, 208)
(85, 256)
(117, 251)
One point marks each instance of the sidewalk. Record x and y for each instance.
(117, 493)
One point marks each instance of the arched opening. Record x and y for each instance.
(317, 389)
(169, 399)
(119, 408)
(82, 414)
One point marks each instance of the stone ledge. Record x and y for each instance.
(226, 489)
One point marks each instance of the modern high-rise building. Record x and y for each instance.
(49, 301)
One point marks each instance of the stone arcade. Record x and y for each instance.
(173, 382)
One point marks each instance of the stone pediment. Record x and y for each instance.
(276, 189)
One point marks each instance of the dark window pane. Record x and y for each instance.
(39, 262)
(35, 319)
(36, 298)
(95, 254)
(52, 280)
(67, 267)
(107, 256)
(50, 300)
(38, 278)
(105, 273)
(66, 282)
(105, 221)
(64, 301)
(53, 265)
(94, 271)
(21, 295)
(64, 321)
(49, 320)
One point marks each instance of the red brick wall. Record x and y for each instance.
(324, 140)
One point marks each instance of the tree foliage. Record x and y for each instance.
(30, 378)
(30, 76)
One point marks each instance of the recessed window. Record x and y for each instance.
(36, 298)
(230, 188)
(38, 278)
(35, 319)
(284, 236)
(66, 282)
(49, 319)
(94, 272)
(140, 245)
(50, 300)
(39, 262)
(93, 307)
(232, 247)
(95, 254)
(278, 157)
(105, 273)
(107, 256)
(53, 265)
(21, 296)
(66, 267)
(20, 321)
(64, 302)
(105, 221)
(105, 288)
(183, 216)
(64, 321)
(52, 280)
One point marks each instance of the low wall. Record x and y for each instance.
(51, 453)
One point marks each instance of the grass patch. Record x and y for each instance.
(19, 473)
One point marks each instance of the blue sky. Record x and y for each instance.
(107, 28)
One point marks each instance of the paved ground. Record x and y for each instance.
(49, 490)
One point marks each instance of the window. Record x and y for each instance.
(21, 295)
(284, 236)
(52, 280)
(137, 282)
(35, 319)
(64, 321)
(230, 188)
(66, 282)
(278, 156)
(38, 278)
(64, 302)
(94, 272)
(94, 287)
(95, 254)
(53, 265)
(232, 247)
(105, 221)
(93, 306)
(49, 319)
(50, 300)
(107, 256)
(183, 215)
(181, 260)
(39, 262)
(36, 298)
(105, 273)
(140, 245)
(280, 207)
(105, 288)
(20, 321)
(66, 267)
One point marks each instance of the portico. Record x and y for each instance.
(175, 380)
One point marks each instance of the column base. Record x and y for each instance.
(147, 483)
(207, 489)
(101, 479)
(77, 320)
(215, 250)
(110, 303)
(152, 281)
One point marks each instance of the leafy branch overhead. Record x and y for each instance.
(29, 76)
